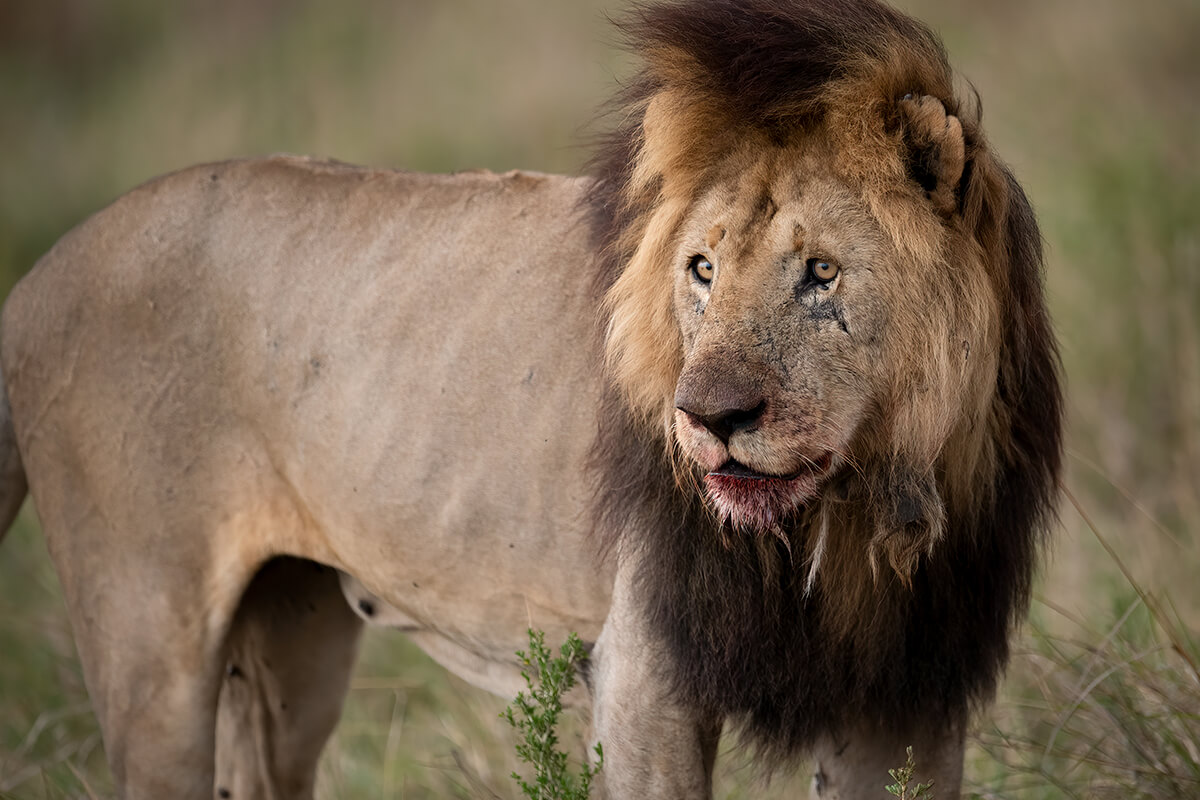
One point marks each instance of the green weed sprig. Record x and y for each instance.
(536, 715)
(903, 776)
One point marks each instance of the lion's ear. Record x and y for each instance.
(935, 150)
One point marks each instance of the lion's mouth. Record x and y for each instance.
(754, 500)
(736, 469)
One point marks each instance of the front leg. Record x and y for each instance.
(855, 766)
(654, 747)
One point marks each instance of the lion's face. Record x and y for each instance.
(780, 294)
(806, 303)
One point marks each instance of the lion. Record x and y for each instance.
(766, 408)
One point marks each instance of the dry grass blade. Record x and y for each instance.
(1174, 632)
(479, 787)
(1114, 715)
(83, 781)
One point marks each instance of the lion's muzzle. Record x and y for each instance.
(757, 470)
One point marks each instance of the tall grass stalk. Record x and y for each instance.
(1114, 713)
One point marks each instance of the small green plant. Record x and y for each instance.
(903, 776)
(536, 715)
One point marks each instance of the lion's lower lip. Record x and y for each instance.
(736, 469)
(756, 501)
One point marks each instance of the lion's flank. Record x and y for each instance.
(890, 629)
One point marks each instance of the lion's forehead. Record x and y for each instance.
(752, 219)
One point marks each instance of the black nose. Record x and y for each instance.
(725, 422)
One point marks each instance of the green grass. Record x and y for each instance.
(1092, 102)
(1102, 710)
(1110, 713)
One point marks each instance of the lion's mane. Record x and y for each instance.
(747, 636)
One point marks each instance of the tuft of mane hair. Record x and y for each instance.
(750, 635)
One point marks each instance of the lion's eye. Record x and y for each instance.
(821, 270)
(702, 268)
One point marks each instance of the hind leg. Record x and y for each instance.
(291, 651)
(150, 644)
(152, 585)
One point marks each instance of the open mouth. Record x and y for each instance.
(757, 501)
(736, 469)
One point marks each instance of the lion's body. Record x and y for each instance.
(768, 410)
(197, 390)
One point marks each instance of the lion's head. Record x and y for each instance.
(824, 309)
(813, 283)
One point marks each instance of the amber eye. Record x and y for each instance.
(821, 270)
(702, 268)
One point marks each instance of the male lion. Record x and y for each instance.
(784, 362)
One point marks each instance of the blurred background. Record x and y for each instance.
(1095, 104)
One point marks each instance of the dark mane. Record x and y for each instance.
(770, 61)
(766, 63)
(745, 639)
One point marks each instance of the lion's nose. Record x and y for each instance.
(724, 394)
(724, 419)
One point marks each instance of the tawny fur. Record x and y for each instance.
(821, 470)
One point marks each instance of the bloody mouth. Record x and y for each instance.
(756, 501)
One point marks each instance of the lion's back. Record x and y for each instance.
(383, 331)
(202, 255)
